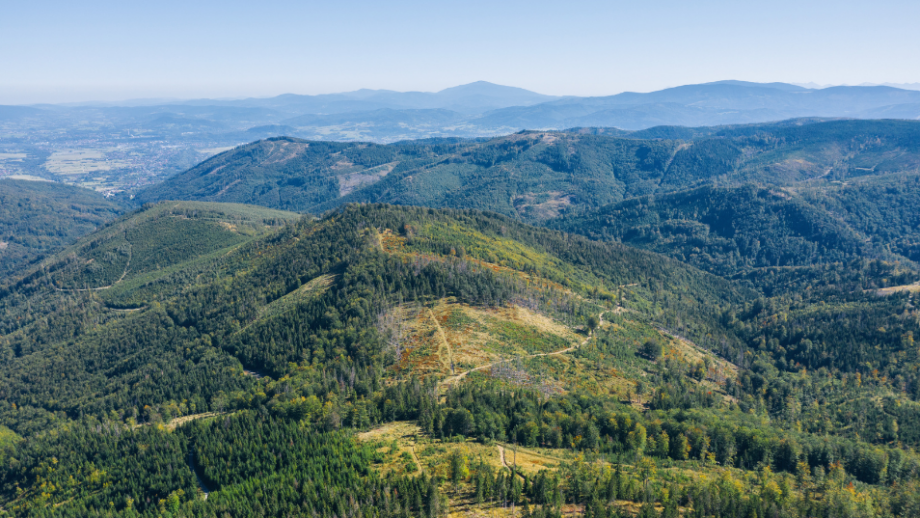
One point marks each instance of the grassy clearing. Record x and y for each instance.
(912, 288)
(403, 441)
(311, 289)
(404, 449)
(448, 337)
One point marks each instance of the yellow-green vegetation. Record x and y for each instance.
(8, 437)
(448, 337)
(503, 255)
(408, 449)
(156, 243)
(313, 288)
(448, 362)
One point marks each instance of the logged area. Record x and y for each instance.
(710, 322)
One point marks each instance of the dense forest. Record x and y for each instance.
(38, 218)
(536, 176)
(746, 230)
(710, 322)
(398, 361)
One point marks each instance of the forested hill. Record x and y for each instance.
(37, 218)
(535, 176)
(756, 230)
(199, 359)
(183, 300)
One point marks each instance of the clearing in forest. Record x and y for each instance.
(406, 448)
(449, 337)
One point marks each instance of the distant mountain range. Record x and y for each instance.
(476, 109)
(903, 86)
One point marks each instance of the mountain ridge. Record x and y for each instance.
(539, 175)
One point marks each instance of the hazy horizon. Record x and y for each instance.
(110, 51)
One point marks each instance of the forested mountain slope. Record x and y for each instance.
(37, 218)
(536, 176)
(239, 368)
(310, 301)
(742, 230)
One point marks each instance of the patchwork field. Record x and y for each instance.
(78, 162)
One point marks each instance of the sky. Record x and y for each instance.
(70, 51)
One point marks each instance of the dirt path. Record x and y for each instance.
(501, 455)
(179, 421)
(128, 310)
(421, 468)
(450, 352)
(454, 379)
(201, 487)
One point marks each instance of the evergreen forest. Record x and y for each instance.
(676, 322)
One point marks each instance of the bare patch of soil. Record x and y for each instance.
(284, 151)
(354, 180)
(542, 206)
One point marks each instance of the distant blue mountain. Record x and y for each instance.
(472, 98)
(484, 109)
(723, 102)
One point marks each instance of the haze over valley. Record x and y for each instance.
(122, 147)
(595, 297)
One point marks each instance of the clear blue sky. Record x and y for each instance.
(88, 50)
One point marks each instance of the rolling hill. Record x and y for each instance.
(536, 176)
(221, 358)
(779, 238)
(40, 218)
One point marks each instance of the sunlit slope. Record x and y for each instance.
(157, 239)
(311, 293)
(455, 342)
(534, 176)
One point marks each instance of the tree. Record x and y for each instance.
(647, 470)
(458, 469)
(651, 349)
(593, 322)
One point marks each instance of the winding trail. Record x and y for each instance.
(421, 469)
(454, 379)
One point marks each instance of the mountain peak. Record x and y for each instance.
(775, 86)
(485, 88)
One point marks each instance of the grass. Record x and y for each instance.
(403, 448)
(398, 440)
(448, 332)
